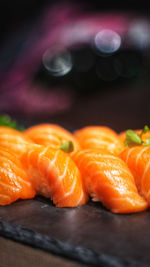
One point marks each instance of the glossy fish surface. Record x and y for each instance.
(14, 182)
(108, 180)
(55, 175)
(99, 137)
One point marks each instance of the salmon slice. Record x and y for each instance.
(138, 160)
(108, 180)
(13, 140)
(99, 137)
(50, 135)
(14, 182)
(55, 175)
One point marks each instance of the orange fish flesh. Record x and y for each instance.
(14, 182)
(50, 135)
(99, 137)
(55, 175)
(138, 160)
(108, 180)
(13, 140)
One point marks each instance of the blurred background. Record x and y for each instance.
(75, 63)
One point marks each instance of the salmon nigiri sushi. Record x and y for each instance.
(108, 180)
(55, 175)
(138, 160)
(13, 140)
(51, 135)
(14, 182)
(99, 137)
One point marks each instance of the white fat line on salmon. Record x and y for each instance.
(92, 162)
(73, 185)
(5, 153)
(50, 132)
(10, 173)
(72, 189)
(86, 155)
(61, 177)
(109, 156)
(52, 163)
(28, 156)
(111, 139)
(112, 183)
(13, 145)
(98, 134)
(41, 154)
(81, 197)
(11, 186)
(42, 131)
(130, 200)
(11, 163)
(4, 196)
(113, 180)
(97, 154)
(115, 172)
(65, 170)
(47, 137)
(8, 137)
(108, 165)
(140, 154)
(13, 168)
(73, 177)
(129, 153)
(97, 141)
(51, 166)
(95, 163)
(122, 171)
(23, 181)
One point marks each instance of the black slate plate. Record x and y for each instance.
(88, 233)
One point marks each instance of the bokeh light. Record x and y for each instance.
(139, 33)
(107, 41)
(58, 63)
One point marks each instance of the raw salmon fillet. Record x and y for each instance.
(99, 137)
(13, 140)
(50, 135)
(108, 180)
(55, 175)
(14, 182)
(138, 160)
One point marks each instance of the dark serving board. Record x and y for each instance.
(89, 234)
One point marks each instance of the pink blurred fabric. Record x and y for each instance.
(65, 24)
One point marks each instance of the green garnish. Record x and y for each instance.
(67, 147)
(146, 129)
(135, 139)
(132, 139)
(6, 120)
